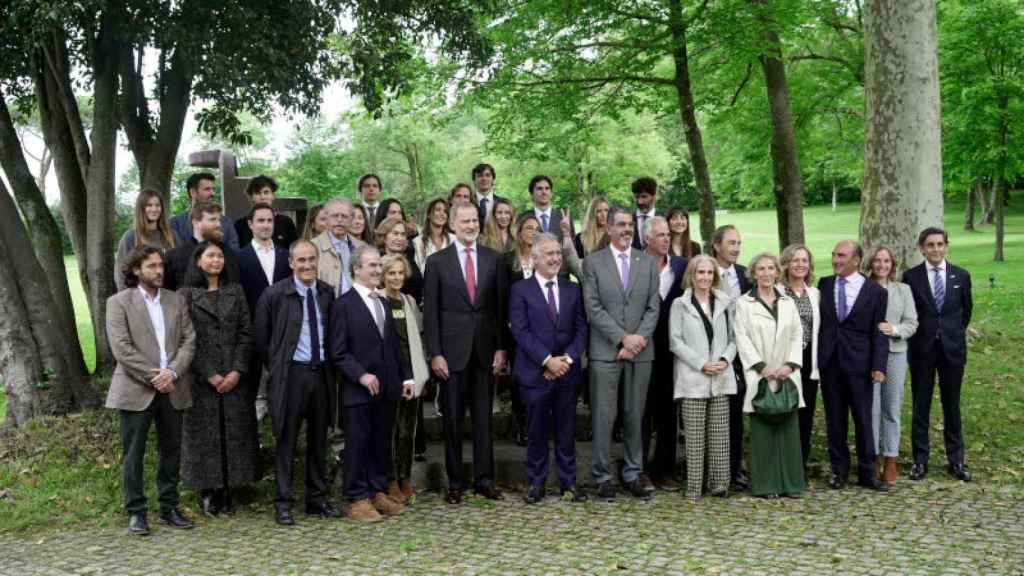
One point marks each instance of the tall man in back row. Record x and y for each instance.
(464, 294)
(942, 296)
(620, 293)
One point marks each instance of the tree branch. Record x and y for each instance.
(746, 78)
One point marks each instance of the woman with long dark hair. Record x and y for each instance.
(436, 235)
(679, 228)
(149, 227)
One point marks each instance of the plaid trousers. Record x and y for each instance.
(706, 422)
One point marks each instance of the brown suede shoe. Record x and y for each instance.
(890, 473)
(386, 505)
(665, 484)
(362, 511)
(407, 490)
(395, 493)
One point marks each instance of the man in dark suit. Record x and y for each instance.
(550, 218)
(201, 190)
(464, 293)
(483, 179)
(262, 262)
(661, 414)
(263, 190)
(290, 328)
(365, 351)
(550, 329)
(152, 339)
(369, 188)
(205, 226)
(645, 192)
(852, 355)
(725, 249)
(942, 296)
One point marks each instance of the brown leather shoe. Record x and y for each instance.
(665, 484)
(878, 467)
(395, 493)
(387, 506)
(889, 474)
(362, 511)
(407, 490)
(645, 482)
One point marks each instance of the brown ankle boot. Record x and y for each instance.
(407, 490)
(395, 493)
(889, 475)
(386, 506)
(878, 471)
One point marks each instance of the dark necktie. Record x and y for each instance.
(552, 306)
(378, 312)
(314, 330)
(939, 292)
(841, 301)
(483, 210)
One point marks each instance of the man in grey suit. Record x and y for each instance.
(152, 339)
(620, 292)
(550, 218)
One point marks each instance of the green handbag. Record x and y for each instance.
(774, 407)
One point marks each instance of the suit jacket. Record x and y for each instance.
(690, 348)
(661, 343)
(277, 324)
(775, 342)
(613, 313)
(284, 231)
(638, 240)
(329, 264)
(134, 345)
(251, 275)
(554, 223)
(948, 325)
(178, 261)
(856, 342)
(537, 335)
(182, 226)
(357, 348)
(454, 327)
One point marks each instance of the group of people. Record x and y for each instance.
(346, 323)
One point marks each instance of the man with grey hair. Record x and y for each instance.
(464, 293)
(620, 289)
(335, 246)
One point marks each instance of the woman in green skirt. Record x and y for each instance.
(770, 344)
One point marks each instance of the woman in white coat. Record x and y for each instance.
(797, 277)
(769, 340)
(701, 339)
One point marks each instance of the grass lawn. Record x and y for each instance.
(56, 471)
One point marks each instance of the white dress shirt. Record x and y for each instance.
(665, 279)
(266, 256)
(930, 269)
(618, 261)
(490, 201)
(369, 295)
(854, 282)
(544, 288)
(156, 317)
(732, 281)
(540, 214)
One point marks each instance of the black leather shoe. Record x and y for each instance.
(606, 491)
(535, 495)
(918, 471)
(454, 496)
(960, 472)
(636, 489)
(226, 505)
(873, 483)
(577, 493)
(175, 519)
(138, 525)
(490, 492)
(836, 483)
(324, 509)
(208, 502)
(283, 517)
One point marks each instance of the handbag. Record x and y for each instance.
(774, 407)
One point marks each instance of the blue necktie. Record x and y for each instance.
(841, 304)
(544, 221)
(940, 288)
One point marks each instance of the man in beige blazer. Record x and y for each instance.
(152, 339)
(335, 246)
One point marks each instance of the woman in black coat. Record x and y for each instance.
(219, 441)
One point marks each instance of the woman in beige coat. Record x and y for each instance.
(769, 339)
(701, 339)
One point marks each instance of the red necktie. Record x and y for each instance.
(470, 277)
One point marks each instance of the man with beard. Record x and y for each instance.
(200, 191)
(152, 339)
(464, 311)
(206, 226)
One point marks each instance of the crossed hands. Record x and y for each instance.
(714, 368)
(556, 367)
(632, 344)
(162, 379)
(225, 384)
(780, 373)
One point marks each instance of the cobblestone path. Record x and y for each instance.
(934, 527)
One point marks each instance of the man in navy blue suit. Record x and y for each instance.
(852, 356)
(365, 350)
(661, 414)
(261, 263)
(550, 329)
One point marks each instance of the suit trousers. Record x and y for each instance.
(306, 398)
(736, 421)
(407, 416)
(605, 379)
(368, 433)
(134, 431)
(845, 393)
(806, 414)
(472, 386)
(554, 403)
(923, 368)
(661, 418)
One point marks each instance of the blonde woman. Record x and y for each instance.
(769, 339)
(701, 339)
(594, 235)
(316, 222)
(900, 324)
(797, 277)
(497, 232)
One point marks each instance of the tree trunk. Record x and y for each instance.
(985, 199)
(835, 195)
(970, 206)
(691, 130)
(43, 233)
(902, 141)
(998, 202)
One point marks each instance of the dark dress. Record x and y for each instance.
(219, 443)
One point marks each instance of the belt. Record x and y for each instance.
(309, 366)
